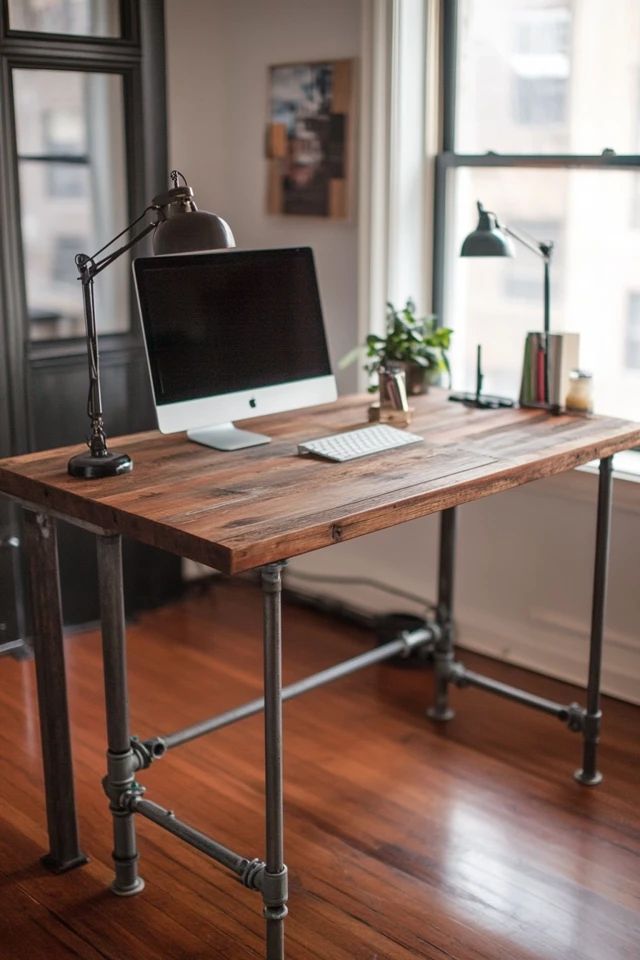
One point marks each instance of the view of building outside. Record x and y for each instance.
(94, 18)
(73, 198)
(549, 77)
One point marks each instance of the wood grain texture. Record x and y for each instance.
(405, 840)
(235, 511)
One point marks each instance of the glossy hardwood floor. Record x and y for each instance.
(405, 840)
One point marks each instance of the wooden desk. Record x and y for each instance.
(256, 508)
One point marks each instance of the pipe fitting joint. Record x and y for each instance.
(275, 889)
(574, 717)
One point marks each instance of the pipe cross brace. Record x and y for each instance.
(577, 719)
(152, 749)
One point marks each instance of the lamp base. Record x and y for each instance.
(90, 467)
(484, 401)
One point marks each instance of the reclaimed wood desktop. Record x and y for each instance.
(255, 508)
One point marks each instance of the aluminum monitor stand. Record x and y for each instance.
(224, 436)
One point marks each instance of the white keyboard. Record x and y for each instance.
(358, 443)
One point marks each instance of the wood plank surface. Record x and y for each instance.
(235, 511)
(405, 840)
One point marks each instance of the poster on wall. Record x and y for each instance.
(308, 139)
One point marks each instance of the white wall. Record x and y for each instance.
(218, 52)
(524, 557)
(524, 570)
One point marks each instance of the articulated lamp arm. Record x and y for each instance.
(89, 268)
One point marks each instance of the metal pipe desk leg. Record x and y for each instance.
(42, 552)
(120, 760)
(589, 773)
(274, 888)
(444, 650)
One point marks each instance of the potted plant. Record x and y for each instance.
(417, 346)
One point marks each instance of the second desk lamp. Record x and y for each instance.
(493, 239)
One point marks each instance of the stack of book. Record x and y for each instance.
(563, 350)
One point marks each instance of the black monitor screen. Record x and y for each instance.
(217, 323)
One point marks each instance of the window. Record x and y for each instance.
(71, 163)
(65, 248)
(64, 150)
(540, 64)
(632, 340)
(522, 279)
(540, 100)
(94, 18)
(540, 127)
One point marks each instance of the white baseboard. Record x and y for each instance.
(555, 646)
(547, 642)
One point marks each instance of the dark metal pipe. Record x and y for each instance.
(462, 677)
(589, 773)
(444, 651)
(272, 586)
(113, 641)
(408, 642)
(168, 821)
(275, 907)
(120, 766)
(599, 583)
(446, 563)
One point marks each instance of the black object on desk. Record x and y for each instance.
(482, 402)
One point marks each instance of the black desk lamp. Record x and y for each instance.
(491, 239)
(178, 227)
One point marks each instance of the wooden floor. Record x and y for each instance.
(469, 841)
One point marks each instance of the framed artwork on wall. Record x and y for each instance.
(309, 139)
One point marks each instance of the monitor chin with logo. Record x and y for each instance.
(230, 332)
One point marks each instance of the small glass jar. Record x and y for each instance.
(580, 395)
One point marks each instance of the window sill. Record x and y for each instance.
(626, 466)
(581, 484)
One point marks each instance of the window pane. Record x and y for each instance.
(71, 159)
(632, 346)
(548, 76)
(89, 18)
(595, 285)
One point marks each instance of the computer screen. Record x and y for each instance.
(240, 331)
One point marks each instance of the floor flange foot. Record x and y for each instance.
(434, 713)
(62, 866)
(129, 891)
(588, 781)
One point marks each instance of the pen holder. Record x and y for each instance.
(393, 406)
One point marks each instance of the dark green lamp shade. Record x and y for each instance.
(487, 240)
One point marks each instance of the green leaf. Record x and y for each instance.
(408, 339)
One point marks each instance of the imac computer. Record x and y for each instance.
(232, 334)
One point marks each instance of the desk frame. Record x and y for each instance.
(127, 755)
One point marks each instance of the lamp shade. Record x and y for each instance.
(183, 228)
(487, 240)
